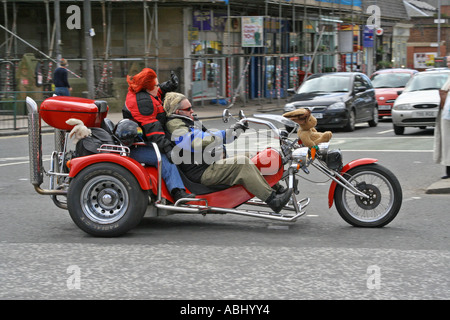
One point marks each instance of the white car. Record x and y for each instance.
(417, 105)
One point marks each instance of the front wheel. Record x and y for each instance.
(399, 130)
(350, 126)
(383, 203)
(106, 200)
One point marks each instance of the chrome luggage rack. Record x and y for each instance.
(114, 148)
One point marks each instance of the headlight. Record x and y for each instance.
(406, 106)
(300, 155)
(289, 107)
(323, 148)
(337, 105)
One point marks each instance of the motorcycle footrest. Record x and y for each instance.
(184, 201)
(182, 206)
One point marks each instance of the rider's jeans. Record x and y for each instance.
(170, 174)
(62, 91)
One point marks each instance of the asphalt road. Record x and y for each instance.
(225, 257)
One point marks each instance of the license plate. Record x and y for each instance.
(384, 107)
(425, 114)
(317, 115)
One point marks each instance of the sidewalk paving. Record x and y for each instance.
(211, 111)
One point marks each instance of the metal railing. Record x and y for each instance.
(13, 109)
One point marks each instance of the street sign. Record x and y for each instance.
(368, 37)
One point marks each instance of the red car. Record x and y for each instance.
(387, 82)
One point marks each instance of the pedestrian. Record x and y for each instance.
(442, 129)
(143, 104)
(191, 136)
(62, 87)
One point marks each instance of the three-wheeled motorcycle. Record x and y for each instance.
(107, 193)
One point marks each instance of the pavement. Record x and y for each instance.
(214, 111)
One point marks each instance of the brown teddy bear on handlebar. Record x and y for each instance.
(307, 133)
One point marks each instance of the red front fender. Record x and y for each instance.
(348, 166)
(142, 176)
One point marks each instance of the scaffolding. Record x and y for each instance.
(302, 39)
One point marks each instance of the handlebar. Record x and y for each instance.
(269, 124)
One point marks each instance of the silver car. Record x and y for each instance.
(417, 105)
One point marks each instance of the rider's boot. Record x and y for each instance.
(177, 194)
(279, 189)
(277, 201)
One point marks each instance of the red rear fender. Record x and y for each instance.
(348, 166)
(142, 176)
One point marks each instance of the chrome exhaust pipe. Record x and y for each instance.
(34, 143)
(35, 150)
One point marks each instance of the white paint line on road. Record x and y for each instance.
(45, 158)
(13, 163)
(386, 131)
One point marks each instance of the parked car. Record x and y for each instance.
(417, 106)
(387, 82)
(337, 100)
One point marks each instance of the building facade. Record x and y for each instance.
(221, 50)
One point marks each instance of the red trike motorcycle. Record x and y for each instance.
(108, 193)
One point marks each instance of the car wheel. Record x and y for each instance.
(399, 130)
(374, 121)
(350, 126)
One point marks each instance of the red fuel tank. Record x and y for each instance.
(268, 161)
(55, 111)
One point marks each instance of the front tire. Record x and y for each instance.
(105, 200)
(350, 126)
(383, 204)
(399, 130)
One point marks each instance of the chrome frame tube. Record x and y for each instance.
(332, 174)
(158, 156)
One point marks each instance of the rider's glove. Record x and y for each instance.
(170, 85)
(174, 79)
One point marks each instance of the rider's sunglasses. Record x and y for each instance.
(186, 109)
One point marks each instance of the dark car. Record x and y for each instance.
(337, 100)
(387, 84)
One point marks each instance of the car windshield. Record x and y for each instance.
(390, 80)
(327, 83)
(427, 81)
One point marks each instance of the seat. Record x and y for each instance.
(107, 125)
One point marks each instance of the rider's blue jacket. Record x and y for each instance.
(195, 147)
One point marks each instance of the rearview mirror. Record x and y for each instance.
(226, 115)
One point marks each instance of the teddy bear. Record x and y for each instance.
(307, 133)
(79, 131)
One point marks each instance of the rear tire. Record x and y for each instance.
(374, 121)
(106, 200)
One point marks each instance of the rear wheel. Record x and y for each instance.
(384, 197)
(106, 200)
(374, 121)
